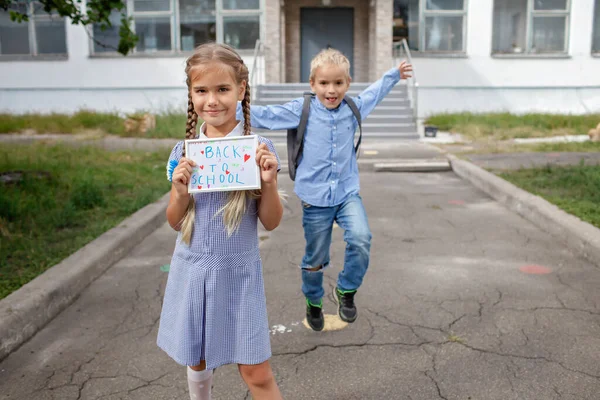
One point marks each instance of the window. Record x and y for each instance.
(530, 26)
(108, 39)
(197, 23)
(152, 22)
(241, 32)
(171, 26)
(42, 34)
(435, 26)
(596, 34)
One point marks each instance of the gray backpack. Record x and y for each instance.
(295, 137)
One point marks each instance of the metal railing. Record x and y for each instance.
(401, 51)
(258, 69)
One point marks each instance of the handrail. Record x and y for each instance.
(398, 48)
(409, 57)
(257, 52)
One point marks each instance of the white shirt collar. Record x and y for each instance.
(237, 131)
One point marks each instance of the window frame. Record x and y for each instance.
(32, 38)
(174, 15)
(531, 14)
(595, 52)
(423, 14)
(173, 9)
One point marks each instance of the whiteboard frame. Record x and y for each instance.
(228, 139)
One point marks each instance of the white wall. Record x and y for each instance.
(480, 82)
(477, 82)
(117, 83)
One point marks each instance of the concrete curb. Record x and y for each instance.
(413, 166)
(27, 310)
(579, 236)
(394, 165)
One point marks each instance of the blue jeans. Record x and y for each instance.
(318, 224)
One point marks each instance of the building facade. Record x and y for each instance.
(469, 55)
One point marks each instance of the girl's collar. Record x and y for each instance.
(237, 131)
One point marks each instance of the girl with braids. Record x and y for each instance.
(214, 308)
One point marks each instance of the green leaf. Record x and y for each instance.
(98, 12)
(18, 17)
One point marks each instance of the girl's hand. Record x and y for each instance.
(182, 175)
(405, 69)
(267, 163)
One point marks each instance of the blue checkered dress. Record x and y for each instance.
(214, 307)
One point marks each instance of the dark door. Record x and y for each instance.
(321, 28)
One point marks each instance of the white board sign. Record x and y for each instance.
(223, 164)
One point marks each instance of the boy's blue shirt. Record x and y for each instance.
(327, 172)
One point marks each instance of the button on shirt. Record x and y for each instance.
(327, 172)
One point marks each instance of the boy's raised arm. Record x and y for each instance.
(275, 117)
(371, 96)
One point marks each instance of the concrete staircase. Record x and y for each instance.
(392, 118)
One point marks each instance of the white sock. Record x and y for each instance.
(200, 383)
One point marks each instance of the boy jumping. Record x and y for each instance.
(327, 179)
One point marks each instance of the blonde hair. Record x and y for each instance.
(329, 56)
(235, 208)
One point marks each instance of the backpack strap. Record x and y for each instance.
(303, 122)
(295, 137)
(356, 113)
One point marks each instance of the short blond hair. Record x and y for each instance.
(329, 56)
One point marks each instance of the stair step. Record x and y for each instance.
(306, 86)
(392, 109)
(371, 124)
(295, 95)
(413, 166)
(398, 134)
(403, 113)
(299, 93)
(378, 131)
(388, 119)
(391, 102)
(394, 129)
(378, 112)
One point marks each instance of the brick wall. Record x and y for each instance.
(273, 42)
(380, 33)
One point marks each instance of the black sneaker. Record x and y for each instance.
(346, 307)
(314, 316)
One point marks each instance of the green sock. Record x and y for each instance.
(320, 305)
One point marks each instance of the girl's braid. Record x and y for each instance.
(192, 120)
(246, 110)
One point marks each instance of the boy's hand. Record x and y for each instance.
(405, 69)
(267, 163)
(182, 175)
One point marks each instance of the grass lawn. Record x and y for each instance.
(168, 124)
(504, 126)
(55, 199)
(575, 189)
